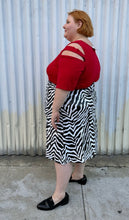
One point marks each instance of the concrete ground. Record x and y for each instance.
(25, 181)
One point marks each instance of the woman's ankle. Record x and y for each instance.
(77, 176)
(57, 197)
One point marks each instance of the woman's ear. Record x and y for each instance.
(79, 23)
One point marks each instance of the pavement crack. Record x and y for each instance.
(83, 201)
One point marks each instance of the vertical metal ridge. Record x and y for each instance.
(125, 143)
(105, 44)
(121, 79)
(114, 13)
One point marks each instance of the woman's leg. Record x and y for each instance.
(78, 171)
(63, 173)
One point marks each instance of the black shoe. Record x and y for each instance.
(82, 181)
(48, 204)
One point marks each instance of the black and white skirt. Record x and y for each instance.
(75, 139)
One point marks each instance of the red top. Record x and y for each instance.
(70, 73)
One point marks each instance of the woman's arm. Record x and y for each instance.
(60, 96)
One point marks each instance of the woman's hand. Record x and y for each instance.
(59, 98)
(55, 118)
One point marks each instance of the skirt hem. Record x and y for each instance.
(70, 160)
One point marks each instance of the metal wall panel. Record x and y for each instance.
(31, 35)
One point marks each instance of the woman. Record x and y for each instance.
(70, 107)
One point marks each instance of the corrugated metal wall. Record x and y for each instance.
(31, 35)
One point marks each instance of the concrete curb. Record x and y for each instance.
(98, 161)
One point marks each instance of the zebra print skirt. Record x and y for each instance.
(75, 139)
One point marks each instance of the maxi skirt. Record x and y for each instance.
(75, 139)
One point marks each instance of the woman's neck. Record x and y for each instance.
(83, 38)
(79, 37)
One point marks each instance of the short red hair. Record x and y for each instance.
(87, 28)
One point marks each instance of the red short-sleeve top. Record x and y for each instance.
(70, 73)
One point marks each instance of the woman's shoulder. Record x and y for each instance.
(85, 44)
(77, 45)
(74, 47)
(75, 50)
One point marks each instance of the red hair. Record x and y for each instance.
(87, 28)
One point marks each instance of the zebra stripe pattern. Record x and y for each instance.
(75, 139)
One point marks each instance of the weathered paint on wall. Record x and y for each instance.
(31, 35)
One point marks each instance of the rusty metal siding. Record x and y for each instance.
(31, 35)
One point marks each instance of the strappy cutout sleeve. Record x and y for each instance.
(75, 50)
(70, 69)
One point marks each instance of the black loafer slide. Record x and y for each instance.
(48, 204)
(81, 181)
